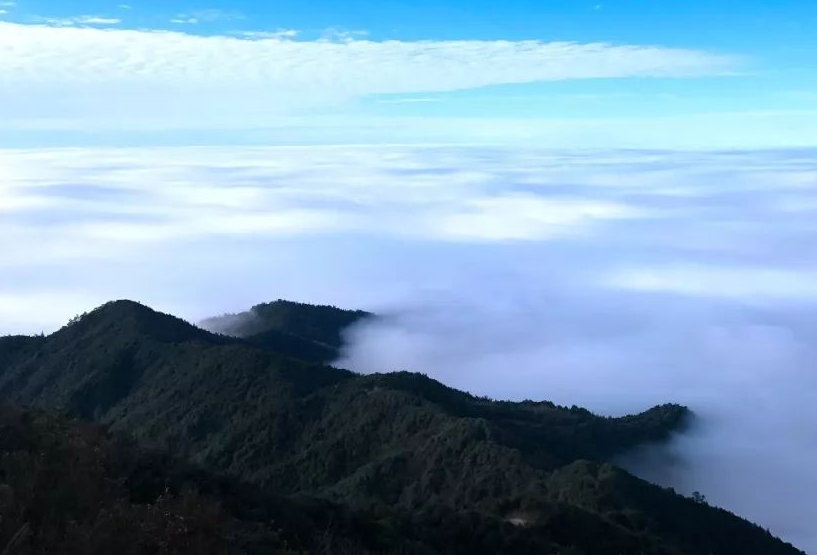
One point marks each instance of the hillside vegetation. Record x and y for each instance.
(302, 331)
(429, 468)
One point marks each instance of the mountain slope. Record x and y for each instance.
(250, 412)
(399, 447)
(72, 488)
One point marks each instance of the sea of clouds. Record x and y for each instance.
(611, 279)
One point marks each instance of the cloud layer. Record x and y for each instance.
(115, 77)
(612, 279)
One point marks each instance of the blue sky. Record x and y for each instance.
(686, 74)
(759, 27)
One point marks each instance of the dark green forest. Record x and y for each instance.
(142, 433)
(302, 331)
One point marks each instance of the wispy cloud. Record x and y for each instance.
(206, 16)
(179, 79)
(184, 19)
(343, 35)
(409, 100)
(279, 34)
(80, 21)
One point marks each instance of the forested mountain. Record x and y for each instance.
(67, 487)
(424, 468)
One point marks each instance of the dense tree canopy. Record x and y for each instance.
(405, 463)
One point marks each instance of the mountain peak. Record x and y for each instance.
(130, 316)
(323, 324)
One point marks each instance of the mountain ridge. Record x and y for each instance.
(388, 445)
(309, 332)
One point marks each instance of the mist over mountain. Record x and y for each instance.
(299, 330)
(400, 449)
(745, 371)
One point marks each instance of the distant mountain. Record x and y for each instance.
(303, 331)
(438, 468)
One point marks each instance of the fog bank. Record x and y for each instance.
(746, 372)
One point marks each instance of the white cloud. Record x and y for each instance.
(123, 78)
(279, 34)
(97, 20)
(409, 100)
(757, 283)
(343, 35)
(206, 16)
(93, 200)
(527, 217)
(193, 203)
(82, 20)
